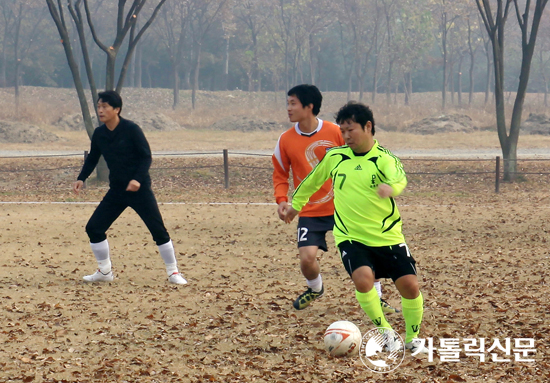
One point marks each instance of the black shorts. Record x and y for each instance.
(386, 262)
(312, 231)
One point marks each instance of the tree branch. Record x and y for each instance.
(102, 46)
(133, 42)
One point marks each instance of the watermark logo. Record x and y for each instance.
(500, 351)
(382, 350)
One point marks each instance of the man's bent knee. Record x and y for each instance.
(408, 286)
(363, 279)
(94, 234)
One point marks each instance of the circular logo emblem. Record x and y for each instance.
(382, 350)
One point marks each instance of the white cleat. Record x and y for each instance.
(177, 279)
(98, 276)
(416, 346)
(392, 342)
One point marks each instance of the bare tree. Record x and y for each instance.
(78, 19)
(27, 15)
(444, 12)
(205, 13)
(57, 12)
(412, 39)
(173, 29)
(544, 57)
(494, 24)
(390, 9)
(251, 15)
(282, 32)
(357, 20)
(378, 41)
(8, 22)
(125, 23)
(474, 41)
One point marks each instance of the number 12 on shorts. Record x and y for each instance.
(302, 233)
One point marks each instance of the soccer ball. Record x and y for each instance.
(342, 338)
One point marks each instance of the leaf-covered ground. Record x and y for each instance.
(483, 263)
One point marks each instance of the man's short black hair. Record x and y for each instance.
(112, 98)
(308, 94)
(356, 112)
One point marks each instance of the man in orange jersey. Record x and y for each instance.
(300, 149)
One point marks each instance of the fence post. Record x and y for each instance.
(497, 175)
(85, 156)
(226, 168)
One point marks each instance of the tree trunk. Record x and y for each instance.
(545, 93)
(488, 77)
(361, 81)
(196, 76)
(287, 85)
(451, 80)
(132, 71)
(176, 85)
(149, 77)
(3, 60)
(444, 85)
(311, 65)
(388, 83)
(110, 70)
(375, 79)
(350, 74)
(139, 66)
(407, 85)
(225, 81)
(250, 86)
(509, 147)
(17, 60)
(471, 76)
(63, 33)
(459, 83)
(78, 20)
(543, 75)
(517, 111)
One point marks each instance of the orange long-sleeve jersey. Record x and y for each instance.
(301, 152)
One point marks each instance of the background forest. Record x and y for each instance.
(375, 46)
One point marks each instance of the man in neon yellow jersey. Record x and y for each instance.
(366, 177)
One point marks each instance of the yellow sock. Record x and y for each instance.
(370, 303)
(413, 309)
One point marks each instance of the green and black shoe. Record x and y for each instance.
(387, 309)
(307, 297)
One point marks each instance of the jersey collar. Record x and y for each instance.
(371, 149)
(319, 126)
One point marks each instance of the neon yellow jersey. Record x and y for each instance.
(360, 214)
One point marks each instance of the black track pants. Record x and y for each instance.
(115, 202)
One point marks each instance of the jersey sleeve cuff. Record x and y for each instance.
(281, 199)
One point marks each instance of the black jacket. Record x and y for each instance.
(126, 152)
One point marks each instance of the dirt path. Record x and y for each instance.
(403, 153)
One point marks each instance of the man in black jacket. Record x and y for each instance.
(128, 156)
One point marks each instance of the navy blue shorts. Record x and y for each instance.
(386, 261)
(312, 231)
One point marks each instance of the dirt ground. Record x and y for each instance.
(482, 258)
(483, 261)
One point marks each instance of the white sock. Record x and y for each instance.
(101, 253)
(315, 284)
(169, 257)
(378, 287)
